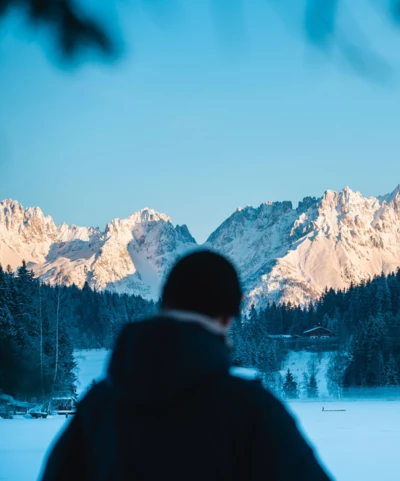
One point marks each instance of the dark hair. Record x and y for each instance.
(203, 282)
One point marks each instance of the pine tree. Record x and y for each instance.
(263, 324)
(312, 387)
(253, 315)
(290, 386)
(366, 367)
(299, 321)
(266, 359)
(9, 362)
(335, 374)
(333, 323)
(3, 286)
(326, 320)
(304, 384)
(383, 301)
(395, 293)
(391, 372)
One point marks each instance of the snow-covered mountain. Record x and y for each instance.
(131, 255)
(288, 254)
(282, 253)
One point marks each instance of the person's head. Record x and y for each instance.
(206, 283)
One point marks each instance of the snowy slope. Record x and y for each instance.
(131, 255)
(298, 363)
(288, 254)
(282, 253)
(91, 365)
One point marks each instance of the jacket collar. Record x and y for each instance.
(205, 321)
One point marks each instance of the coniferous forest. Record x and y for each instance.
(41, 325)
(365, 347)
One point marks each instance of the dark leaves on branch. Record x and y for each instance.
(319, 20)
(73, 30)
(395, 11)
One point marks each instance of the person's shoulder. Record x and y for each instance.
(146, 327)
(97, 394)
(146, 324)
(142, 322)
(249, 392)
(257, 404)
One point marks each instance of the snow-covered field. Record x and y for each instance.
(358, 444)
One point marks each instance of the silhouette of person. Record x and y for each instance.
(169, 407)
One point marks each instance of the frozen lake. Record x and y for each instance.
(358, 444)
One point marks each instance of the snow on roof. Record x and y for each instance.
(6, 397)
(21, 404)
(316, 328)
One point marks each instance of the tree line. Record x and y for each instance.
(365, 320)
(41, 325)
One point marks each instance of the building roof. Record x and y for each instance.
(316, 329)
(21, 404)
(280, 336)
(6, 397)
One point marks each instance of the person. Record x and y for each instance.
(169, 407)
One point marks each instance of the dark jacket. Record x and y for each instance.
(170, 410)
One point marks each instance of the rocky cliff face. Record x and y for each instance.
(288, 254)
(282, 253)
(131, 255)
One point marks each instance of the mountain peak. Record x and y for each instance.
(388, 198)
(347, 190)
(148, 215)
(306, 204)
(293, 255)
(185, 234)
(346, 195)
(12, 207)
(11, 204)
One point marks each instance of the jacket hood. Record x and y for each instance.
(156, 360)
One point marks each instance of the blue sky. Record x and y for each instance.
(205, 111)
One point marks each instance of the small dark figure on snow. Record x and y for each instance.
(169, 407)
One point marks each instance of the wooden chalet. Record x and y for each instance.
(318, 332)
